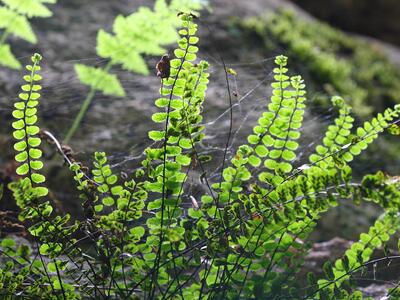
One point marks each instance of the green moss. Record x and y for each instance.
(338, 63)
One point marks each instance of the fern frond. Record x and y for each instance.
(14, 19)
(98, 78)
(30, 8)
(336, 135)
(144, 32)
(268, 118)
(359, 253)
(8, 58)
(29, 190)
(286, 130)
(106, 180)
(273, 140)
(26, 131)
(275, 137)
(369, 132)
(16, 24)
(183, 94)
(340, 146)
(109, 47)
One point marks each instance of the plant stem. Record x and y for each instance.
(79, 117)
(4, 36)
(82, 112)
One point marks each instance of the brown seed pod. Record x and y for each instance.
(163, 67)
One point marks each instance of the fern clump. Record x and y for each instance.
(244, 235)
(29, 192)
(14, 20)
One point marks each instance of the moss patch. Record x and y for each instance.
(337, 63)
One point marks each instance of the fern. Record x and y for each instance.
(183, 94)
(369, 132)
(336, 136)
(99, 78)
(26, 131)
(355, 257)
(14, 19)
(273, 141)
(127, 46)
(275, 137)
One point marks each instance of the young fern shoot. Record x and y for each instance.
(26, 131)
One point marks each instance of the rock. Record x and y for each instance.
(324, 251)
(376, 291)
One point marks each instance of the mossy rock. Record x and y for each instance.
(336, 63)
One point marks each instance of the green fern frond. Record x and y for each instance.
(336, 135)
(105, 179)
(30, 8)
(29, 190)
(16, 24)
(182, 94)
(14, 19)
(100, 79)
(341, 147)
(359, 253)
(7, 57)
(109, 47)
(25, 128)
(370, 131)
(144, 32)
(267, 120)
(286, 128)
(275, 138)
